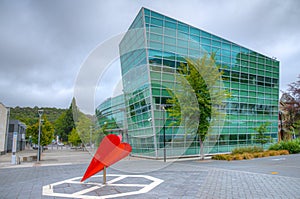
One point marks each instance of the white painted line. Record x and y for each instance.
(87, 190)
(128, 185)
(48, 190)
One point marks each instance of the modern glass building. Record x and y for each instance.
(151, 52)
(110, 114)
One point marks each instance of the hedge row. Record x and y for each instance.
(247, 156)
(293, 146)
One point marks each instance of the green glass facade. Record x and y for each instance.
(110, 114)
(151, 51)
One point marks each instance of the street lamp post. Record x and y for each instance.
(39, 138)
(164, 132)
(90, 136)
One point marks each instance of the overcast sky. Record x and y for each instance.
(43, 44)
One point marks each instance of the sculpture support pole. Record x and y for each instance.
(104, 175)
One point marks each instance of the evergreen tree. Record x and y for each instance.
(64, 124)
(260, 136)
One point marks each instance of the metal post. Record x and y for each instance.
(164, 131)
(39, 138)
(104, 175)
(7, 129)
(90, 136)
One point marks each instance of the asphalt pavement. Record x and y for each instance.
(59, 172)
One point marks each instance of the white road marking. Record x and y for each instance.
(48, 190)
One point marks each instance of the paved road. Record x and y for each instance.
(272, 177)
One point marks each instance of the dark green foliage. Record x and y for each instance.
(250, 149)
(30, 115)
(293, 146)
(46, 132)
(64, 124)
(260, 136)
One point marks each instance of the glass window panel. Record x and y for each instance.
(194, 45)
(225, 52)
(195, 38)
(170, 40)
(195, 53)
(170, 19)
(182, 35)
(252, 58)
(170, 25)
(213, 37)
(156, 29)
(147, 19)
(169, 55)
(207, 48)
(170, 32)
(205, 41)
(261, 60)
(156, 91)
(183, 51)
(236, 48)
(216, 43)
(195, 31)
(147, 12)
(168, 77)
(170, 48)
(182, 43)
(226, 46)
(205, 34)
(156, 45)
(155, 37)
(154, 14)
(154, 53)
(182, 27)
(155, 75)
(156, 22)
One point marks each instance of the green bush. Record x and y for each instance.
(293, 146)
(219, 157)
(254, 149)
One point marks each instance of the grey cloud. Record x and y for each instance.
(44, 43)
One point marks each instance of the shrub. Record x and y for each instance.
(265, 154)
(275, 147)
(258, 155)
(250, 149)
(238, 157)
(229, 157)
(273, 153)
(293, 146)
(283, 152)
(219, 157)
(248, 156)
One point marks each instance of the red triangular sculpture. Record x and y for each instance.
(110, 151)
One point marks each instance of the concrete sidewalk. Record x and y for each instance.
(60, 156)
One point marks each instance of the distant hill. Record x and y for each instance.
(30, 115)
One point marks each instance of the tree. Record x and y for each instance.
(197, 100)
(64, 124)
(290, 107)
(46, 132)
(261, 137)
(84, 127)
(74, 138)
